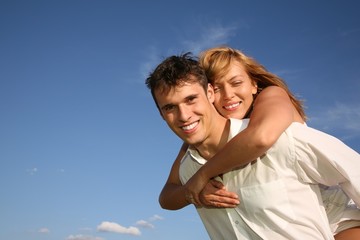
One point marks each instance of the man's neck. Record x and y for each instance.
(218, 138)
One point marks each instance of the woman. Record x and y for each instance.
(245, 89)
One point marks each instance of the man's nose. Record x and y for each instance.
(184, 113)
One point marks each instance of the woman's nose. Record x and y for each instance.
(227, 93)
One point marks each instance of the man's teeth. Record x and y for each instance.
(189, 127)
(229, 107)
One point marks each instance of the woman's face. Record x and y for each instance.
(234, 92)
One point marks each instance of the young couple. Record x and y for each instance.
(268, 176)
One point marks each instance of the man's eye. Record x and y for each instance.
(216, 89)
(168, 108)
(191, 99)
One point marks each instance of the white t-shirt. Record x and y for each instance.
(279, 193)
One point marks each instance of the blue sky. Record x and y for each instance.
(83, 150)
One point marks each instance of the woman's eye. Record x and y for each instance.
(237, 83)
(216, 89)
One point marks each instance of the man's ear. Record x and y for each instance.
(157, 106)
(210, 93)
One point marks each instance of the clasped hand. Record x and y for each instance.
(209, 193)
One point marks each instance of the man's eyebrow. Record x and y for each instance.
(191, 96)
(167, 106)
(187, 98)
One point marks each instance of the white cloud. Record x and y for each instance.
(340, 117)
(156, 218)
(349, 32)
(32, 171)
(210, 36)
(206, 37)
(83, 237)
(153, 60)
(85, 229)
(117, 228)
(44, 230)
(289, 74)
(144, 224)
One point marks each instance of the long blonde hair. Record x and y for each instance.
(217, 61)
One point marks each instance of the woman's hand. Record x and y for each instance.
(208, 193)
(214, 195)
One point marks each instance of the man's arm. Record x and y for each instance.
(172, 196)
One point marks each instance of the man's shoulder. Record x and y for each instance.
(242, 123)
(237, 125)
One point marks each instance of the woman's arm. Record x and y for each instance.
(272, 114)
(173, 194)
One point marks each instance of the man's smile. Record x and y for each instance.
(190, 127)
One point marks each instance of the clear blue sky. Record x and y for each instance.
(83, 150)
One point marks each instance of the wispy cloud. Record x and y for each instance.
(83, 237)
(206, 36)
(153, 58)
(210, 36)
(113, 227)
(117, 228)
(156, 218)
(85, 229)
(144, 224)
(44, 230)
(289, 74)
(32, 171)
(148, 224)
(348, 32)
(340, 117)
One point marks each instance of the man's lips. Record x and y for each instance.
(190, 127)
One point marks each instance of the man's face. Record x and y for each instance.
(187, 109)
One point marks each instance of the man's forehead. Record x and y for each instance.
(178, 92)
(165, 89)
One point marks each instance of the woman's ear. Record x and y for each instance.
(255, 88)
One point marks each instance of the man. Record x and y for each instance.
(270, 208)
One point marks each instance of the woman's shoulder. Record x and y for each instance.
(273, 90)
